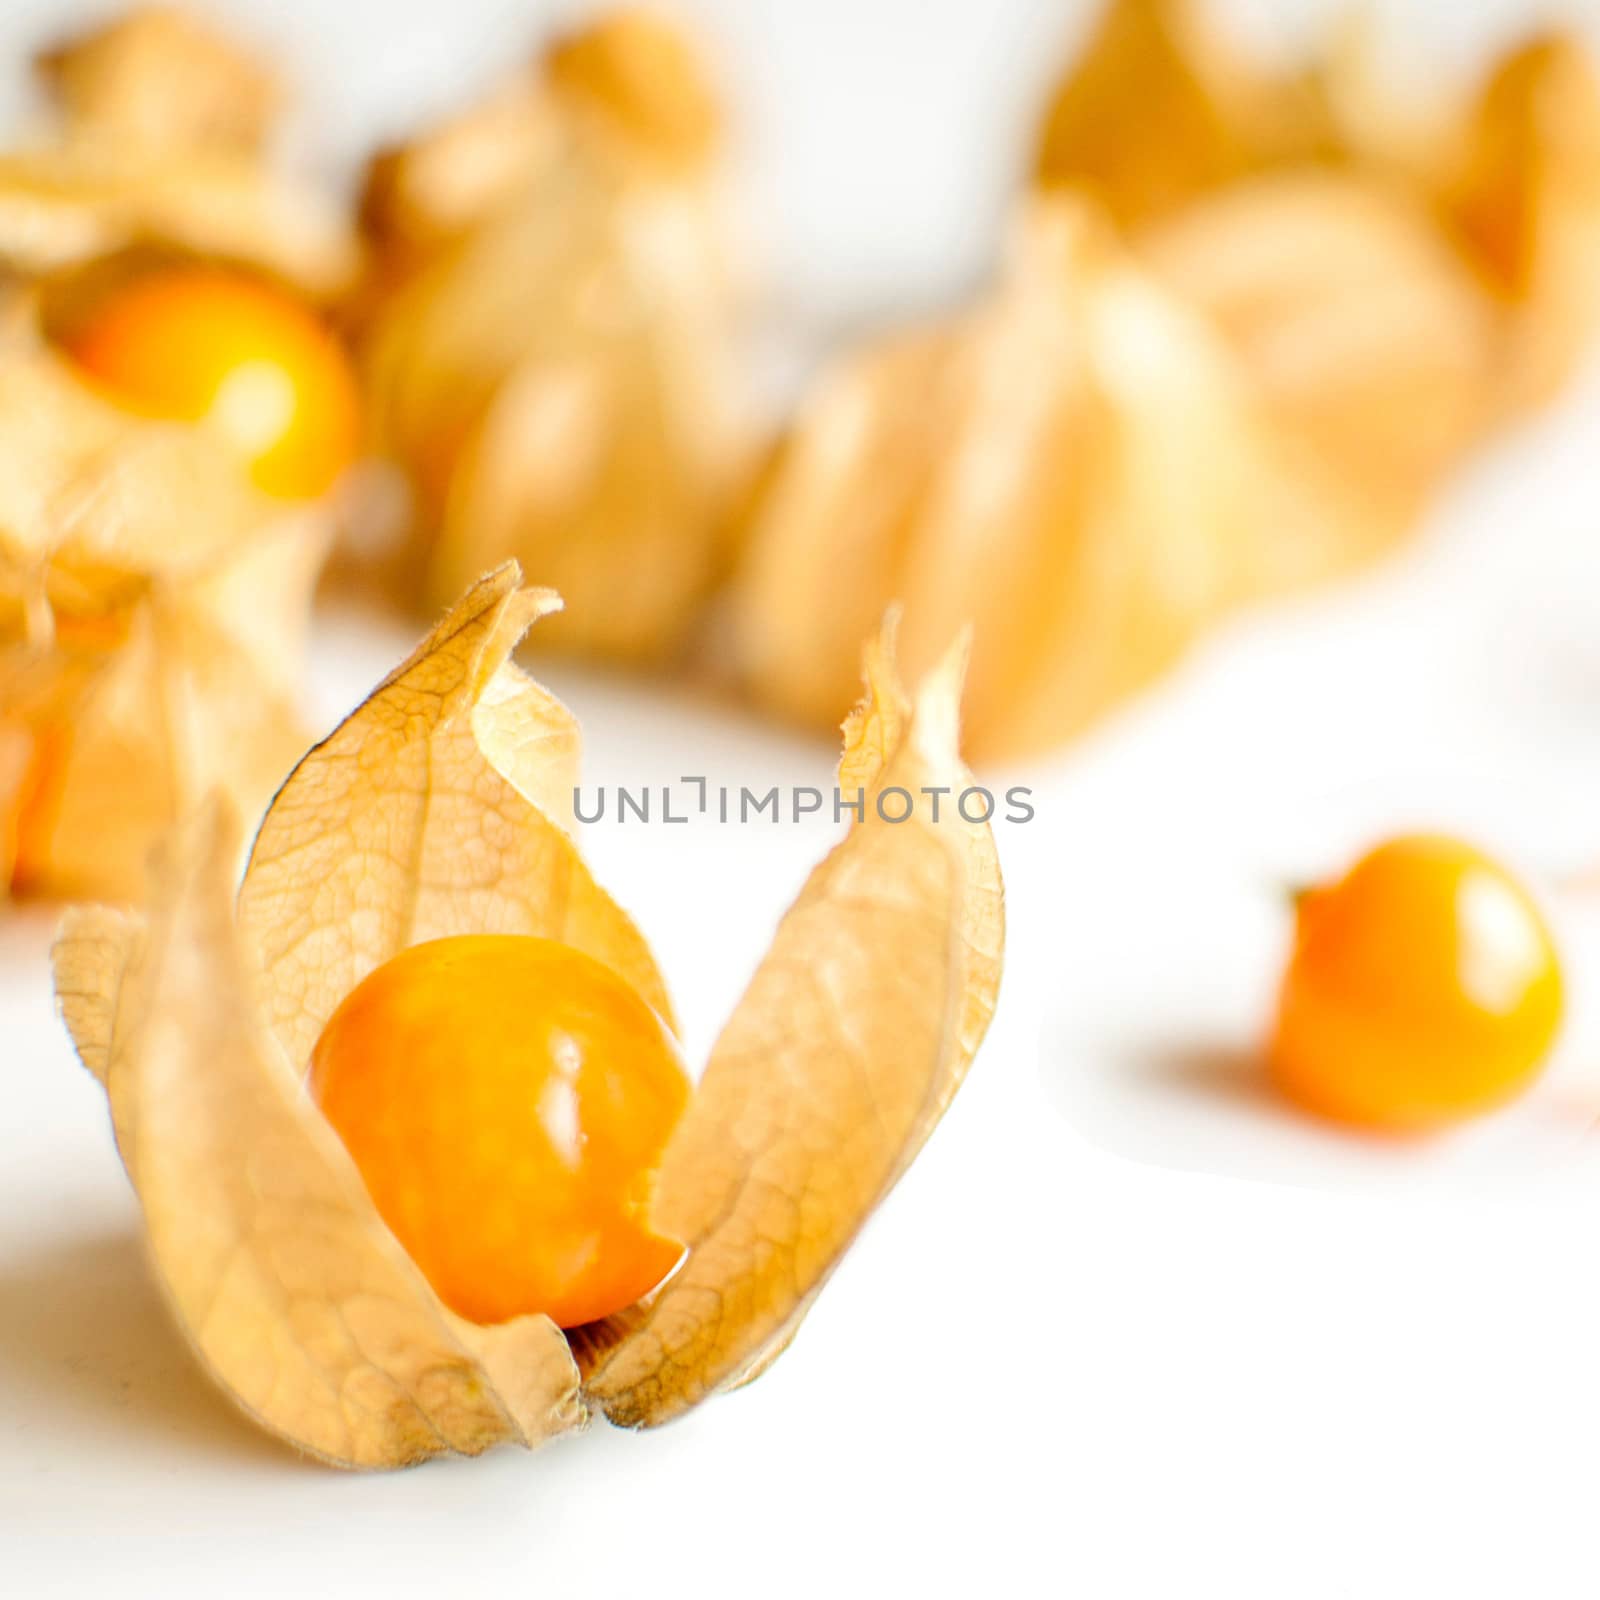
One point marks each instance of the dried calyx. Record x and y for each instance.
(441, 807)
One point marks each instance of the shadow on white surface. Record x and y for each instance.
(87, 1347)
(1204, 1103)
(1224, 1074)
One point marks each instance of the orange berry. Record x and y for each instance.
(507, 1101)
(1424, 987)
(198, 344)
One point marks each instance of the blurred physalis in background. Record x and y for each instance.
(1317, 306)
(172, 415)
(547, 338)
(1278, 200)
(160, 146)
(1075, 465)
(1078, 465)
(152, 614)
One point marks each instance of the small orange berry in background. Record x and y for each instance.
(507, 1101)
(198, 344)
(1424, 987)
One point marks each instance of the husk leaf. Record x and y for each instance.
(159, 78)
(843, 1054)
(294, 1295)
(401, 827)
(1161, 115)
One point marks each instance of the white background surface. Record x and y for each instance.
(1127, 1329)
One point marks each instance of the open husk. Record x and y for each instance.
(442, 806)
(152, 617)
(548, 338)
(160, 145)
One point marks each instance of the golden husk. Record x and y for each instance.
(1167, 123)
(442, 806)
(1163, 107)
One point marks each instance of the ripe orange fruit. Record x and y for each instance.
(199, 344)
(1424, 987)
(507, 1101)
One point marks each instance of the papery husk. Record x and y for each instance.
(160, 145)
(442, 806)
(549, 349)
(628, 91)
(152, 603)
(1076, 467)
(1162, 106)
(1331, 298)
(1174, 129)
(394, 830)
(436, 808)
(1362, 332)
(153, 608)
(839, 1060)
(1522, 193)
(295, 1297)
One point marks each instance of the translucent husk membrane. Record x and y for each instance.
(442, 806)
